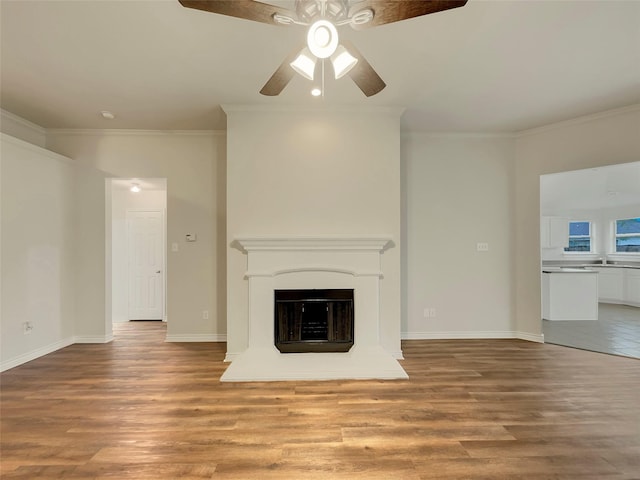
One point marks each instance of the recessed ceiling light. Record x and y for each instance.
(135, 188)
(107, 114)
(316, 92)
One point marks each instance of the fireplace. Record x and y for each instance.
(313, 320)
(334, 277)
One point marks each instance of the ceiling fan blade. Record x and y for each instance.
(363, 74)
(246, 9)
(389, 11)
(282, 76)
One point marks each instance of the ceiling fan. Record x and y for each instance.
(322, 17)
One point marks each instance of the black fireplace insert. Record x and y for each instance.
(314, 320)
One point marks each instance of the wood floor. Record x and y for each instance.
(140, 408)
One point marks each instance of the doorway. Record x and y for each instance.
(138, 249)
(580, 214)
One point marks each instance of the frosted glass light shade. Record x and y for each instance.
(305, 64)
(342, 62)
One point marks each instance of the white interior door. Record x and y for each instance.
(146, 264)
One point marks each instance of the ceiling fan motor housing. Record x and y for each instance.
(310, 10)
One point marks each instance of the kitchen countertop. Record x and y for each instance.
(567, 270)
(591, 265)
(609, 265)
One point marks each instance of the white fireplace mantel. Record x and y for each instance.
(376, 243)
(310, 262)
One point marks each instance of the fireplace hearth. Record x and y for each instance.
(313, 320)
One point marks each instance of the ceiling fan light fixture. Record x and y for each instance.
(305, 64)
(342, 62)
(322, 38)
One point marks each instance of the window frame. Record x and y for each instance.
(591, 238)
(616, 235)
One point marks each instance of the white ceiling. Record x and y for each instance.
(491, 66)
(591, 189)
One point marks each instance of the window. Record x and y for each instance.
(628, 235)
(579, 237)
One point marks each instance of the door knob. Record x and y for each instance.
(158, 271)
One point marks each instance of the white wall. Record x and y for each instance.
(38, 243)
(458, 193)
(194, 165)
(605, 139)
(307, 173)
(123, 200)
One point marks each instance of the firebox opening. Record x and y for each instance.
(313, 320)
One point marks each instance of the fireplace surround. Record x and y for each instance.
(330, 262)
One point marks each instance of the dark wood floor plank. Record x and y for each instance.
(142, 408)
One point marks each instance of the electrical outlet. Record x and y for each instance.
(482, 247)
(432, 312)
(205, 314)
(27, 328)
(426, 313)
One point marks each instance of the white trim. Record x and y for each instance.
(578, 120)
(343, 109)
(35, 148)
(35, 354)
(93, 338)
(196, 337)
(133, 132)
(24, 122)
(530, 337)
(471, 335)
(230, 357)
(455, 135)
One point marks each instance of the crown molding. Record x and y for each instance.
(343, 109)
(579, 120)
(21, 121)
(133, 132)
(35, 148)
(456, 135)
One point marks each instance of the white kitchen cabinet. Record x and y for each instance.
(554, 232)
(632, 286)
(611, 283)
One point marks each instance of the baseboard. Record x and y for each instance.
(530, 337)
(457, 335)
(27, 357)
(230, 357)
(539, 338)
(199, 337)
(93, 338)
